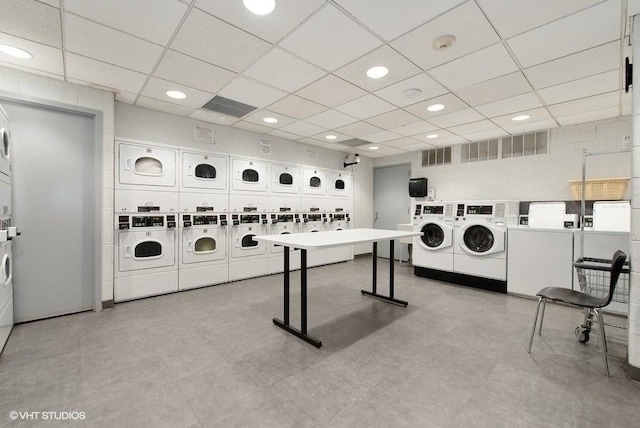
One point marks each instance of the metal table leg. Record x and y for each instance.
(373, 293)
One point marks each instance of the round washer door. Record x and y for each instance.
(432, 235)
(478, 239)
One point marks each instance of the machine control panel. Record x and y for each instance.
(171, 221)
(479, 209)
(144, 221)
(313, 217)
(314, 210)
(199, 220)
(235, 219)
(460, 210)
(204, 209)
(433, 209)
(285, 209)
(523, 220)
(418, 210)
(250, 218)
(588, 221)
(263, 219)
(223, 219)
(249, 209)
(186, 220)
(147, 209)
(339, 216)
(285, 218)
(297, 217)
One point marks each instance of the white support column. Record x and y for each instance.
(634, 245)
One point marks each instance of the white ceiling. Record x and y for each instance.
(558, 61)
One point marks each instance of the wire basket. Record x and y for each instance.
(594, 277)
(600, 189)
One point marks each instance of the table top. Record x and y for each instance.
(333, 238)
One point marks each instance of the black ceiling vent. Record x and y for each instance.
(354, 142)
(229, 107)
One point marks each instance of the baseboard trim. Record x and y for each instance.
(633, 373)
(359, 256)
(462, 279)
(107, 304)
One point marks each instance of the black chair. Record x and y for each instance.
(583, 300)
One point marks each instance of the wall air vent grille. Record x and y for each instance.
(229, 107)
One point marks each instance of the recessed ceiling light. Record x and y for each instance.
(15, 52)
(270, 120)
(331, 137)
(432, 136)
(435, 107)
(411, 93)
(177, 95)
(373, 147)
(377, 72)
(260, 7)
(521, 117)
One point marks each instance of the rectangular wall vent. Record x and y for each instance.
(229, 107)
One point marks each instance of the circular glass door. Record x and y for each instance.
(478, 238)
(432, 235)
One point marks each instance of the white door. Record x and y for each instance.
(314, 182)
(146, 165)
(248, 175)
(145, 249)
(339, 183)
(285, 179)
(203, 245)
(481, 239)
(204, 171)
(391, 204)
(52, 172)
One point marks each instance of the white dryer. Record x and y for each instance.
(204, 172)
(314, 181)
(481, 239)
(248, 257)
(5, 144)
(203, 250)
(285, 179)
(145, 255)
(433, 249)
(283, 223)
(145, 166)
(6, 293)
(248, 176)
(340, 184)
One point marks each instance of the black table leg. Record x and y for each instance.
(373, 293)
(375, 267)
(302, 333)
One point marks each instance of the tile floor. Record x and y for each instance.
(456, 357)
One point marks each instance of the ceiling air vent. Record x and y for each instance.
(354, 142)
(229, 107)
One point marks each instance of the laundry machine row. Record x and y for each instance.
(8, 231)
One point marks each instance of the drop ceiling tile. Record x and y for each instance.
(381, 151)
(393, 119)
(90, 70)
(331, 91)
(450, 141)
(473, 128)
(253, 127)
(209, 116)
(109, 45)
(297, 107)
(286, 135)
(125, 97)
(582, 64)
(401, 142)
(54, 3)
(537, 115)
(330, 39)
(284, 71)
(592, 27)
(189, 71)
(414, 128)
(341, 137)
(584, 105)
(359, 129)
(399, 68)
(499, 88)
(418, 147)
(457, 118)
(152, 20)
(466, 22)
(428, 87)
(31, 20)
(317, 143)
(541, 125)
(366, 107)
(516, 16)
(589, 116)
(210, 39)
(258, 117)
(592, 85)
(450, 101)
(479, 66)
(252, 93)
(331, 119)
(287, 15)
(45, 58)
(510, 105)
(303, 128)
(442, 134)
(486, 135)
(153, 104)
(392, 19)
(157, 88)
(380, 137)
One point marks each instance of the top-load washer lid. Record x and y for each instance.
(478, 238)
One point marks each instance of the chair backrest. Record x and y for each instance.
(617, 263)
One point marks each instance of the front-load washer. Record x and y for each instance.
(5, 143)
(203, 250)
(340, 184)
(204, 172)
(248, 257)
(314, 182)
(480, 249)
(248, 176)
(433, 249)
(285, 179)
(145, 255)
(312, 222)
(283, 223)
(6, 293)
(145, 166)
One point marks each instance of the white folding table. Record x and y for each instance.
(337, 238)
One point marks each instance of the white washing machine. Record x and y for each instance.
(203, 202)
(340, 184)
(434, 248)
(248, 257)
(145, 255)
(6, 293)
(283, 223)
(249, 176)
(480, 248)
(314, 182)
(285, 179)
(204, 172)
(312, 222)
(203, 250)
(5, 143)
(145, 166)
(612, 216)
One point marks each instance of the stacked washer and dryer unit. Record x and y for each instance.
(7, 232)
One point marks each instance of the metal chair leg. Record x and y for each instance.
(604, 341)
(533, 329)
(544, 307)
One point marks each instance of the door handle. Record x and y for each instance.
(127, 251)
(189, 246)
(375, 216)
